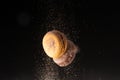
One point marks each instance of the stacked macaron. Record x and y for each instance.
(58, 47)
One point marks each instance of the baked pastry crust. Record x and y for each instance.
(54, 44)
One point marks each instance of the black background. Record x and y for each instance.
(99, 41)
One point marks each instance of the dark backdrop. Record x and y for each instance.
(92, 25)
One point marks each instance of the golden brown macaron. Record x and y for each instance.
(54, 44)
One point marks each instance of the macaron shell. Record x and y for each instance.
(54, 44)
(51, 45)
(63, 40)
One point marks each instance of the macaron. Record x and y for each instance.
(54, 44)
